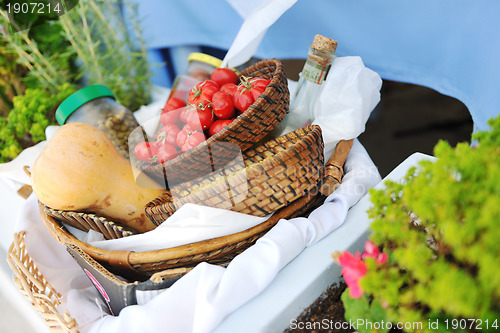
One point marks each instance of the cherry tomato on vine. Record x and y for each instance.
(218, 125)
(203, 90)
(229, 88)
(202, 116)
(223, 105)
(186, 131)
(224, 75)
(243, 98)
(167, 134)
(145, 151)
(258, 86)
(166, 152)
(248, 91)
(173, 103)
(193, 140)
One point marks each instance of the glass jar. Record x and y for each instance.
(96, 105)
(200, 66)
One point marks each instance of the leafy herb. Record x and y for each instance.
(32, 113)
(440, 230)
(38, 66)
(99, 35)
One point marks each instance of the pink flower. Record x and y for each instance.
(353, 269)
(371, 250)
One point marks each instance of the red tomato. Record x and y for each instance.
(184, 113)
(193, 140)
(218, 125)
(229, 88)
(201, 117)
(171, 111)
(173, 103)
(170, 116)
(203, 90)
(256, 92)
(168, 134)
(223, 76)
(243, 98)
(186, 131)
(248, 91)
(223, 105)
(145, 151)
(181, 138)
(258, 82)
(188, 128)
(166, 152)
(258, 86)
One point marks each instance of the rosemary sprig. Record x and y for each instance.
(29, 55)
(99, 35)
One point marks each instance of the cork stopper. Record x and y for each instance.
(324, 43)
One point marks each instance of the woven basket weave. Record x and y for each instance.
(141, 265)
(45, 299)
(266, 179)
(247, 129)
(42, 296)
(86, 222)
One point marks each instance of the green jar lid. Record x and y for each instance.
(76, 100)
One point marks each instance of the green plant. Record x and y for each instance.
(32, 112)
(37, 58)
(35, 77)
(110, 53)
(440, 230)
(42, 52)
(38, 65)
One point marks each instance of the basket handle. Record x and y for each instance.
(334, 167)
(120, 260)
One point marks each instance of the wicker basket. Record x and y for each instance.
(42, 296)
(87, 221)
(266, 179)
(45, 299)
(247, 129)
(140, 265)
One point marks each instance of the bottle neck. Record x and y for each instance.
(317, 65)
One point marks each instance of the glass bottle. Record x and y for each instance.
(318, 63)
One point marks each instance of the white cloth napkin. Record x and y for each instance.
(13, 171)
(349, 94)
(253, 30)
(191, 223)
(200, 300)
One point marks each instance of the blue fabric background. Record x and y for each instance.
(451, 46)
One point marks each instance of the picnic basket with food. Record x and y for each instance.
(267, 179)
(82, 182)
(294, 170)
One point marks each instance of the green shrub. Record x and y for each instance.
(31, 114)
(440, 230)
